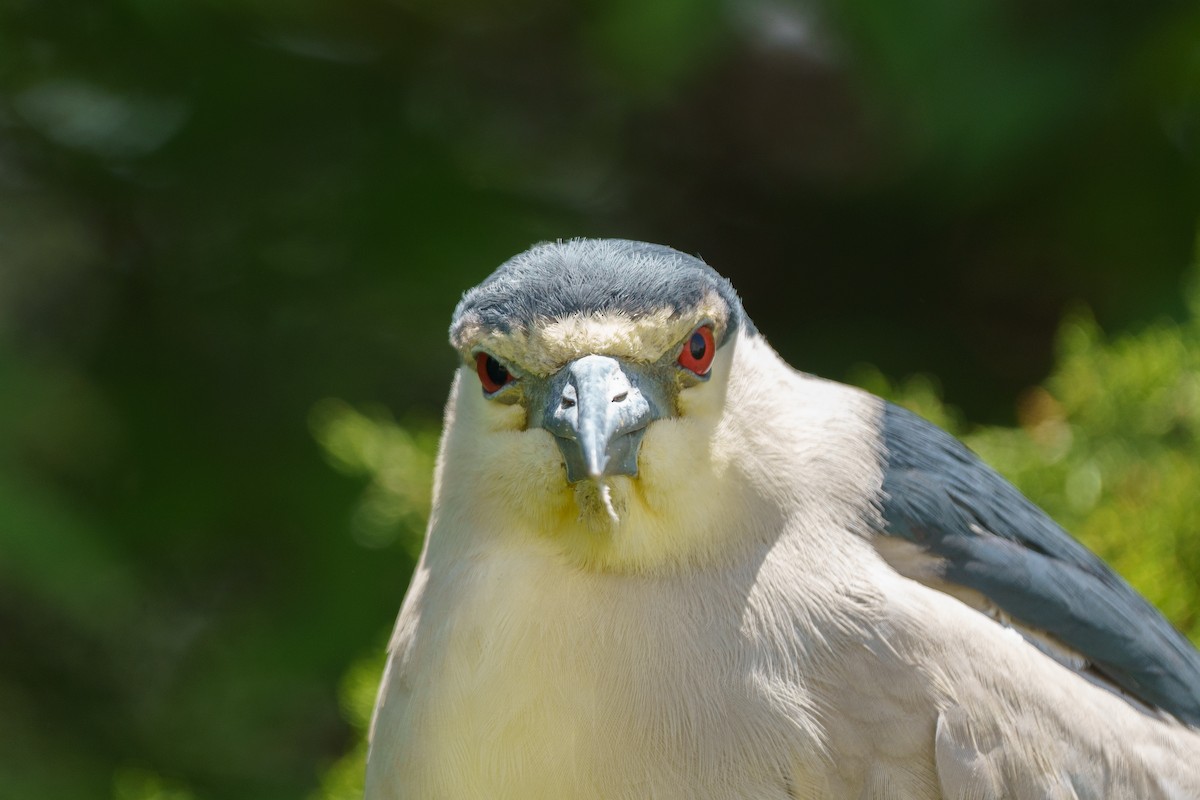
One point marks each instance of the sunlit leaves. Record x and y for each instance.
(399, 463)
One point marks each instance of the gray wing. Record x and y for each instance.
(940, 496)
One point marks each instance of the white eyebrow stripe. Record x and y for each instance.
(543, 349)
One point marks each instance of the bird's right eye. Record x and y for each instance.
(492, 374)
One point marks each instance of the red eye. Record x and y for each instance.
(492, 374)
(698, 351)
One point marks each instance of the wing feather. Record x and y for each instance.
(990, 538)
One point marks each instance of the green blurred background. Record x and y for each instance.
(232, 233)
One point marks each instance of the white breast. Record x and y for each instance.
(545, 683)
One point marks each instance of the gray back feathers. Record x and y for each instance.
(940, 496)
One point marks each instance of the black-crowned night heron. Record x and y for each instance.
(661, 563)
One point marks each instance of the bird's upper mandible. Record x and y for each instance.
(663, 563)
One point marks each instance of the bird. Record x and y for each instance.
(663, 563)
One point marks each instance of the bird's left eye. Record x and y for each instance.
(492, 374)
(698, 351)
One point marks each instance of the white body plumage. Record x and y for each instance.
(735, 635)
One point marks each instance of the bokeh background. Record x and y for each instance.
(232, 233)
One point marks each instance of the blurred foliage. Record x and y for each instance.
(344, 779)
(398, 462)
(215, 215)
(135, 784)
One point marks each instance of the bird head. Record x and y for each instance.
(591, 394)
